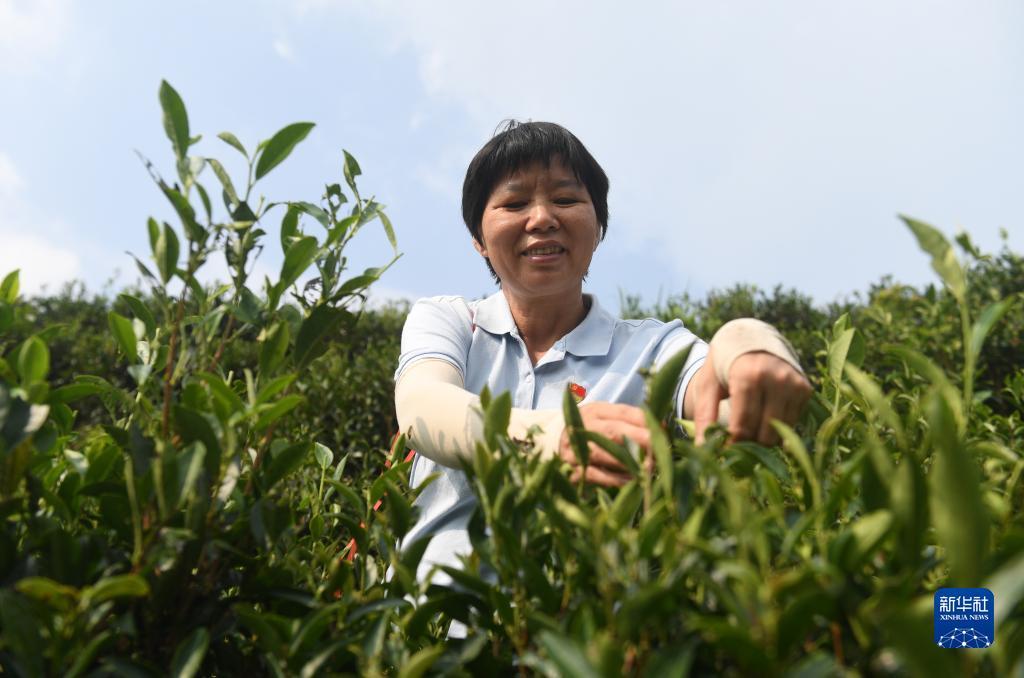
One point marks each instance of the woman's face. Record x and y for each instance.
(540, 231)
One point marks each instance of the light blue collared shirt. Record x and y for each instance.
(603, 354)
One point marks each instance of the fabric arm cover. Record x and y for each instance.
(444, 422)
(748, 335)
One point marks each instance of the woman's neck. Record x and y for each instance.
(542, 322)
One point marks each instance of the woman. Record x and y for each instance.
(535, 203)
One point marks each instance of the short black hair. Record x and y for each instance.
(518, 144)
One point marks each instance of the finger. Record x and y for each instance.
(604, 459)
(618, 431)
(775, 407)
(616, 412)
(800, 393)
(599, 476)
(747, 400)
(708, 393)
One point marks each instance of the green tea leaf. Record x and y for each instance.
(664, 385)
(359, 282)
(223, 394)
(837, 352)
(33, 360)
(867, 534)
(273, 347)
(117, 586)
(989, 316)
(231, 140)
(9, 288)
(421, 662)
(141, 312)
(175, 119)
(290, 227)
(188, 656)
(315, 333)
(225, 180)
(792, 443)
(280, 146)
(299, 257)
(47, 591)
(1007, 585)
(662, 453)
(185, 211)
(164, 242)
(496, 418)
(75, 391)
(284, 463)
(960, 518)
(268, 414)
(389, 230)
(574, 424)
(124, 334)
(324, 456)
(566, 655)
(944, 261)
(351, 171)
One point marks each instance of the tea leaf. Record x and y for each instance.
(175, 119)
(274, 346)
(421, 662)
(117, 586)
(188, 656)
(284, 463)
(141, 312)
(231, 140)
(225, 180)
(664, 385)
(33, 360)
(9, 288)
(566, 656)
(944, 260)
(281, 145)
(496, 418)
(961, 522)
(315, 333)
(989, 316)
(351, 170)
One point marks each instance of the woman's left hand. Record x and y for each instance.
(761, 388)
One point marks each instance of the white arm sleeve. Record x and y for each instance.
(444, 422)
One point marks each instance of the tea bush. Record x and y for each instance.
(200, 480)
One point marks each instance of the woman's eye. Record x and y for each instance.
(515, 204)
(566, 201)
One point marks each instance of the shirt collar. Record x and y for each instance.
(591, 337)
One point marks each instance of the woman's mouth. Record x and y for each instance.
(545, 251)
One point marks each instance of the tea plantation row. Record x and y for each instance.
(201, 480)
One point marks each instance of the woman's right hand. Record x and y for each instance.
(615, 422)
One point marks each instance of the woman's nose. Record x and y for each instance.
(542, 218)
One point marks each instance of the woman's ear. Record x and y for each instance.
(478, 246)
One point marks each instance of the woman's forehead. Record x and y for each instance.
(554, 172)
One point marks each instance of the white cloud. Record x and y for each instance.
(763, 136)
(10, 181)
(31, 29)
(43, 265)
(381, 296)
(29, 241)
(283, 49)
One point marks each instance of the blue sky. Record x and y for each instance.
(771, 143)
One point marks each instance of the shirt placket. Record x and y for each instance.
(527, 387)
